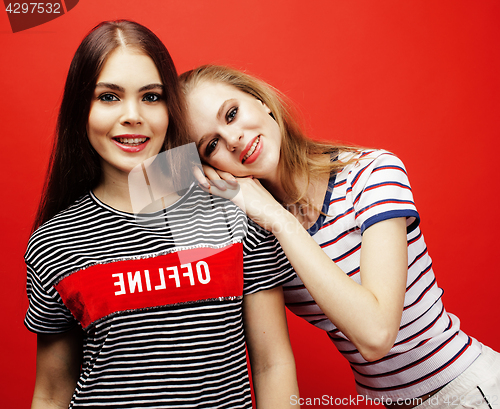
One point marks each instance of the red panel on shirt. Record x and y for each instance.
(180, 277)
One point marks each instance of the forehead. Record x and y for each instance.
(211, 92)
(127, 64)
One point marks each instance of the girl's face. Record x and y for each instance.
(234, 131)
(128, 116)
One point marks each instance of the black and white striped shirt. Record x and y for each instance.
(159, 298)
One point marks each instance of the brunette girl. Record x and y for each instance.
(149, 312)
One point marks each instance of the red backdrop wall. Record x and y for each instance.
(418, 78)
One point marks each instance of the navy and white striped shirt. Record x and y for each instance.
(159, 299)
(430, 349)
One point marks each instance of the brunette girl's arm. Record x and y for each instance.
(271, 357)
(58, 363)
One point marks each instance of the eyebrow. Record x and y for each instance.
(220, 113)
(119, 88)
(201, 141)
(151, 86)
(222, 108)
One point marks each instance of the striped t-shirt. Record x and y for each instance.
(159, 298)
(430, 349)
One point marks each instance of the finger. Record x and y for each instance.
(216, 174)
(213, 178)
(200, 177)
(210, 173)
(228, 177)
(226, 192)
(219, 184)
(224, 184)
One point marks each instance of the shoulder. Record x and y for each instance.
(215, 213)
(67, 220)
(257, 236)
(367, 164)
(376, 186)
(360, 159)
(78, 208)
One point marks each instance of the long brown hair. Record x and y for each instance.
(299, 154)
(74, 166)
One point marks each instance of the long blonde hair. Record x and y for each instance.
(299, 158)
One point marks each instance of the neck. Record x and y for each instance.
(315, 190)
(114, 192)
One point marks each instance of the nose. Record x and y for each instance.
(233, 138)
(131, 113)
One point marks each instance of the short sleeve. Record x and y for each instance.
(381, 190)
(265, 265)
(46, 311)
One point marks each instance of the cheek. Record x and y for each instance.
(275, 129)
(222, 162)
(159, 121)
(229, 165)
(95, 140)
(98, 123)
(163, 126)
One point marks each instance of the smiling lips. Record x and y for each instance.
(131, 143)
(253, 148)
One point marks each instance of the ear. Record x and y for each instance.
(265, 107)
(268, 110)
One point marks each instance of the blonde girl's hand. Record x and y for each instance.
(247, 193)
(211, 181)
(255, 201)
(211, 176)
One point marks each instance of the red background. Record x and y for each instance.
(419, 78)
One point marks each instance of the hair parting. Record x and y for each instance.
(74, 166)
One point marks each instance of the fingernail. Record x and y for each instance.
(204, 185)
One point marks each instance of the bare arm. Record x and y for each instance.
(368, 314)
(271, 356)
(58, 362)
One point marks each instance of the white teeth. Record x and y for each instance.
(251, 150)
(131, 141)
